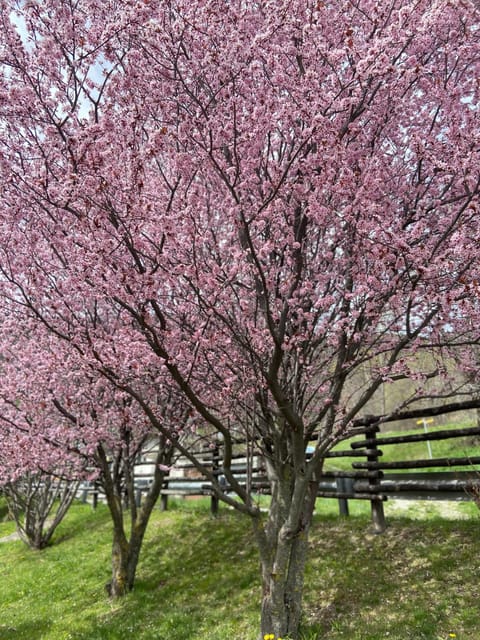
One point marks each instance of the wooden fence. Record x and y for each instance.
(369, 478)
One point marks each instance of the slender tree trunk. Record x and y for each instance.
(38, 504)
(118, 586)
(140, 519)
(126, 549)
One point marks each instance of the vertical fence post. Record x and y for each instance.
(164, 497)
(378, 513)
(95, 495)
(342, 502)
(215, 469)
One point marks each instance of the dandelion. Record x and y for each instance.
(452, 635)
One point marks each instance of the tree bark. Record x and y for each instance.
(126, 548)
(125, 557)
(118, 586)
(283, 548)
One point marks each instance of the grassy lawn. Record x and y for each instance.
(198, 578)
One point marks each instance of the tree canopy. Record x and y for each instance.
(251, 202)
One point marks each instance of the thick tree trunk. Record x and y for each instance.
(283, 547)
(118, 586)
(125, 557)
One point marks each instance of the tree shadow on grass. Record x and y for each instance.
(362, 586)
(196, 579)
(25, 631)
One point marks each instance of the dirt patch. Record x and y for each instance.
(12, 536)
(420, 509)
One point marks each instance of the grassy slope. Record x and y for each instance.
(198, 580)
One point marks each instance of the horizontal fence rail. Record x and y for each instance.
(368, 479)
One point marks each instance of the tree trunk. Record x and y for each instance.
(126, 549)
(125, 557)
(119, 586)
(283, 548)
(38, 503)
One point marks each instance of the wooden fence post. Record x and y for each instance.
(378, 513)
(215, 468)
(164, 497)
(95, 495)
(342, 487)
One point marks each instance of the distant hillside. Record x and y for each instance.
(399, 391)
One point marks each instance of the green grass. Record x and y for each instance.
(198, 579)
